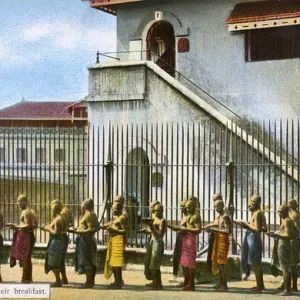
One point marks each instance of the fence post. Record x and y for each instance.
(108, 181)
(229, 200)
(230, 189)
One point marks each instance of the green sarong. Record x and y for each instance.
(153, 257)
(282, 256)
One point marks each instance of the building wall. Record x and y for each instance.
(50, 155)
(266, 89)
(196, 148)
(160, 103)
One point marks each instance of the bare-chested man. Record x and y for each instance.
(284, 248)
(209, 249)
(86, 248)
(222, 229)
(252, 246)
(295, 216)
(23, 240)
(116, 246)
(120, 199)
(155, 249)
(190, 227)
(57, 244)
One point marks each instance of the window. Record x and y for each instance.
(40, 155)
(2, 155)
(21, 155)
(59, 155)
(272, 43)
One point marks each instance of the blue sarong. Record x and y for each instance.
(56, 251)
(251, 250)
(255, 248)
(85, 254)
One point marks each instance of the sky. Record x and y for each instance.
(46, 46)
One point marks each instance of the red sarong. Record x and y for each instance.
(22, 245)
(220, 251)
(188, 250)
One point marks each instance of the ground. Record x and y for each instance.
(134, 287)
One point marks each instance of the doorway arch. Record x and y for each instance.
(160, 43)
(137, 185)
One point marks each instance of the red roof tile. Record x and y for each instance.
(264, 10)
(38, 110)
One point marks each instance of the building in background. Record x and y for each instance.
(185, 79)
(43, 155)
(244, 54)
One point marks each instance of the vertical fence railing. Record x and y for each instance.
(41, 163)
(164, 162)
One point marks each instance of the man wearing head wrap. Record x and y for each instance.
(284, 248)
(295, 216)
(23, 239)
(116, 246)
(190, 227)
(216, 196)
(252, 245)
(221, 228)
(155, 249)
(58, 242)
(86, 248)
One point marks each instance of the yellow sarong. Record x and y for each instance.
(114, 254)
(220, 251)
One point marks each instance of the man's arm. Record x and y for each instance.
(258, 223)
(227, 225)
(286, 234)
(123, 225)
(160, 232)
(55, 227)
(90, 225)
(30, 221)
(196, 220)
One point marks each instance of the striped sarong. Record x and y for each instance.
(114, 254)
(220, 251)
(188, 250)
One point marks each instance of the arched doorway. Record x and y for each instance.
(161, 46)
(137, 186)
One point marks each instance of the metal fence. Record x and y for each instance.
(165, 162)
